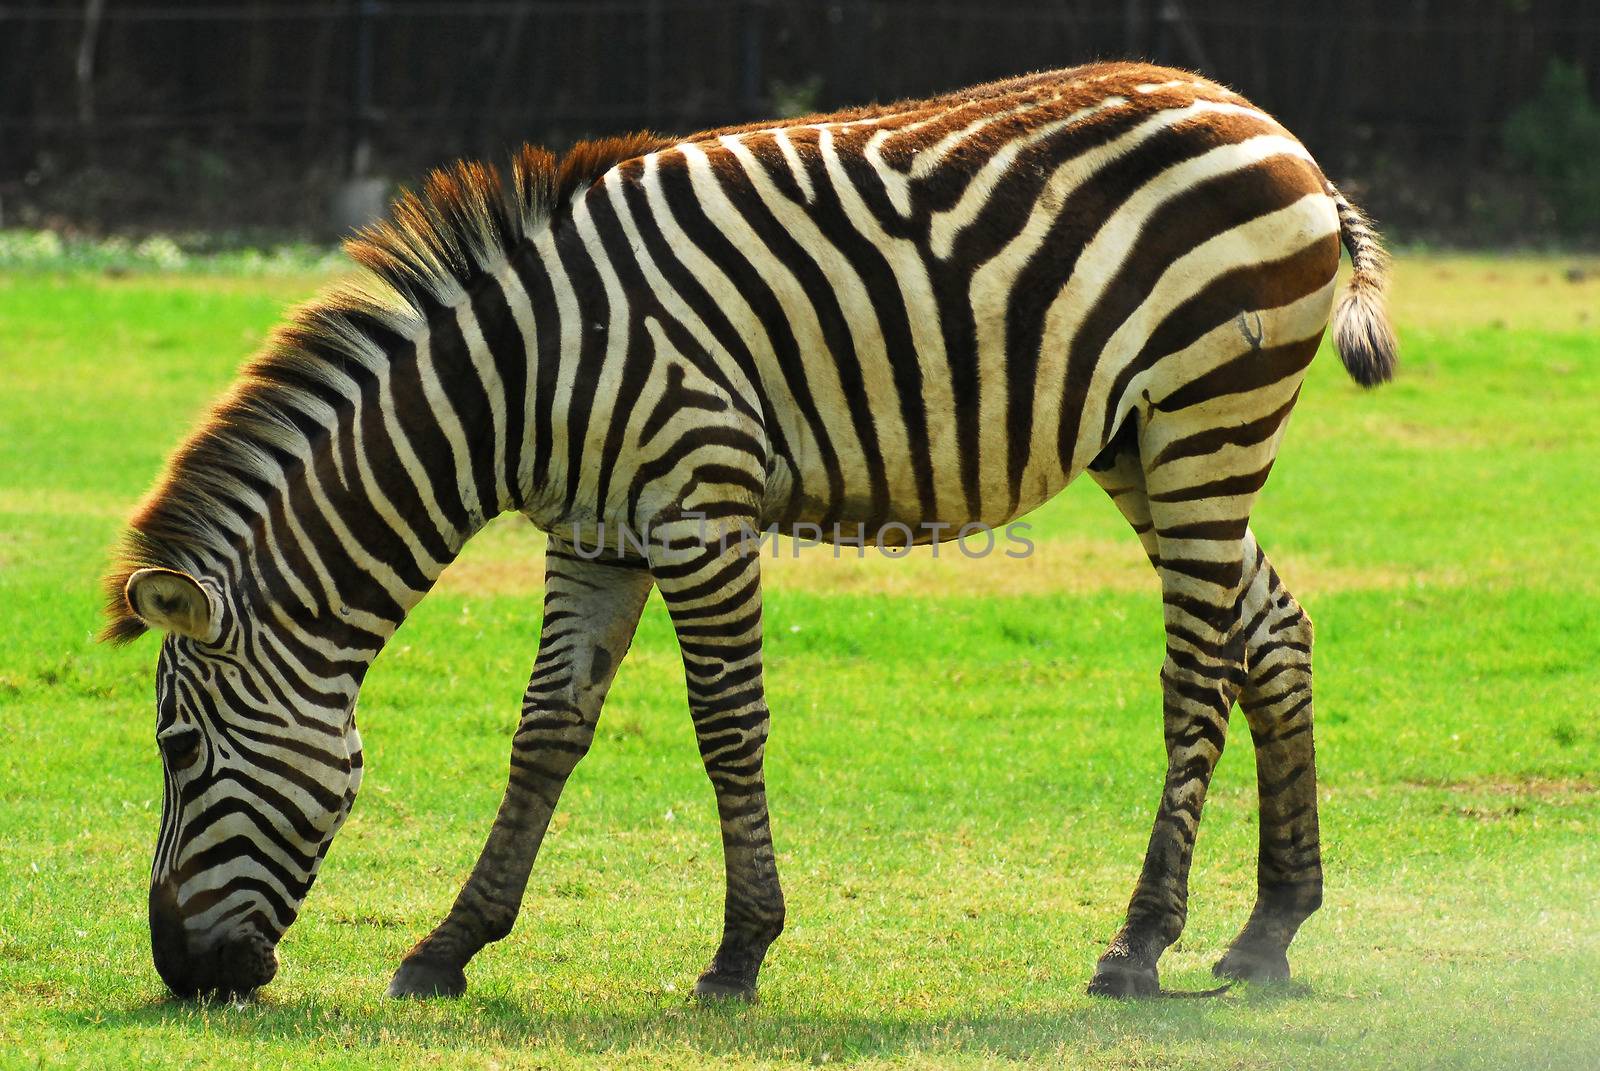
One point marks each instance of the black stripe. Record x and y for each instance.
(1210, 441)
(509, 352)
(415, 419)
(468, 398)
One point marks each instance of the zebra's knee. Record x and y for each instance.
(1156, 918)
(498, 921)
(1278, 642)
(551, 740)
(1308, 896)
(1291, 902)
(1200, 686)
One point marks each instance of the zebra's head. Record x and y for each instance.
(261, 762)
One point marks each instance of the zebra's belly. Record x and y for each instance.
(798, 504)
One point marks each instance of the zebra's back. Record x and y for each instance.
(945, 309)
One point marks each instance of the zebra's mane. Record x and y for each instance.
(465, 222)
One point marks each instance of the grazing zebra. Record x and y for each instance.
(916, 316)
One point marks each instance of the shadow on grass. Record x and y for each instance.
(718, 1030)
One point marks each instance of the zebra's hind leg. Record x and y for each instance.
(1276, 700)
(712, 588)
(590, 611)
(1193, 527)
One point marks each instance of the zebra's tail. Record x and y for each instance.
(1361, 331)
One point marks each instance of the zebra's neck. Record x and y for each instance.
(418, 454)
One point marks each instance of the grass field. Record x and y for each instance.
(963, 764)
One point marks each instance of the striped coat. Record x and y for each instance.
(894, 321)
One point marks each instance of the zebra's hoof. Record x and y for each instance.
(718, 988)
(1123, 980)
(1248, 964)
(421, 980)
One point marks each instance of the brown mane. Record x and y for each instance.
(465, 221)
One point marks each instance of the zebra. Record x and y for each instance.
(930, 311)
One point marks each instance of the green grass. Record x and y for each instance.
(962, 770)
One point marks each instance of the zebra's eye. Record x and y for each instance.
(179, 746)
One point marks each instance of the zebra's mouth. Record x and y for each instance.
(233, 967)
(244, 965)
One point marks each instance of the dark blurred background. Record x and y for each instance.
(1462, 121)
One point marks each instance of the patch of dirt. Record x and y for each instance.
(1074, 567)
(1447, 293)
(1417, 436)
(43, 991)
(495, 575)
(370, 919)
(1554, 789)
(1063, 566)
(62, 503)
(1489, 814)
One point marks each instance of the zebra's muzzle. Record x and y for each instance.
(236, 966)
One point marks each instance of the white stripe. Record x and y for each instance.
(570, 326)
(607, 384)
(896, 184)
(488, 373)
(797, 167)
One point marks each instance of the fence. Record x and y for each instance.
(136, 113)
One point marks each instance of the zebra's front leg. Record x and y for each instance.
(590, 612)
(712, 587)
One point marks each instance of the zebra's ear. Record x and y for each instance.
(171, 601)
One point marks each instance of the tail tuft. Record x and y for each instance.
(1361, 331)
